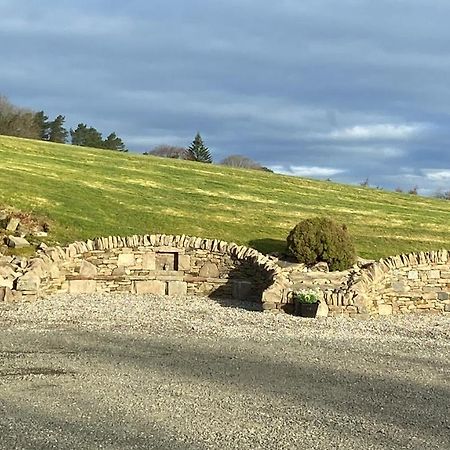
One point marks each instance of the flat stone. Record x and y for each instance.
(82, 286)
(177, 288)
(385, 310)
(413, 275)
(443, 295)
(126, 260)
(241, 289)
(13, 224)
(154, 287)
(209, 270)
(184, 263)
(322, 310)
(6, 282)
(17, 242)
(28, 282)
(149, 261)
(88, 269)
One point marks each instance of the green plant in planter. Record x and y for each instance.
(306, 302)
(306, 296)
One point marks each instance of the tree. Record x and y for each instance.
(241, 162)
(443, 195)
(57, 133)
(42, 124)
(86, 137)
(168, 151)
(16, 121)
(113, 142)
(197, 151)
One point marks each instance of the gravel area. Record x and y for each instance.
(141, 372)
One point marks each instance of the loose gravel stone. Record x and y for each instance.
(124, 371)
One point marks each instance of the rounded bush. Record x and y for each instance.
(322, 240)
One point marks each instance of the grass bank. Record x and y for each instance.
(90, 192)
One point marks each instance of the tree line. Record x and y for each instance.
(26, 123)
(198, 151)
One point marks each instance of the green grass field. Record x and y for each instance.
(89, 192)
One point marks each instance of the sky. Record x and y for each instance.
(348, 90)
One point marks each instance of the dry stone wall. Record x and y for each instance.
(185, 265)
(154, 264)
(416, 282)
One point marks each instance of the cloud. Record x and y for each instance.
(307, 171)
(438, 175)
(385, 131)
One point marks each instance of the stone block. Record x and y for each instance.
(126, 260)
(322, 310)
(6, 294)
(13, 224)
(17, 242)
(177, 288)
(385, 310)
(434, 274)
(241, 289)
(184, 263)
(6, 282)
(443, 296)
(28, 282)
(155, 287)
(149, 261)
(413, 275)
(82, 286)
(400, 286)
(209, 270)
(88, 269)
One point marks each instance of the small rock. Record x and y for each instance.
(40, 234)
(17, 242)
(320, 267)
(13, 224)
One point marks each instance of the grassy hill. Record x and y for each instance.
(89, 192)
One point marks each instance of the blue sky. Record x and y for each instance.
(345, 90)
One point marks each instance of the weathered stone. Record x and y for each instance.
(241, 289)
(5, 294)
(13, 223)
(28, 282)
(322, 310)
(385, 310)
(155, 287)
(184, 263)
(209, 270)
(400, 286)
(177, 288)
(126, 260)
(149, 261)
(119, 271)
(320, 267)
(88, 269)
(443, 296)
(82, 286)
(17, 242)
(413, 275)
(434, 274)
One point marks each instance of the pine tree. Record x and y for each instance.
(113, 142)
(42, 124)
(57, 133)
(197, 151)
(86, 137)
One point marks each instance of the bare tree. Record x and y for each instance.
(15, 121)
(168, 151)
(241, 162)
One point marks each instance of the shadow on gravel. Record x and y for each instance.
(338, 394)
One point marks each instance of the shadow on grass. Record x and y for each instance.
(268, 245)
